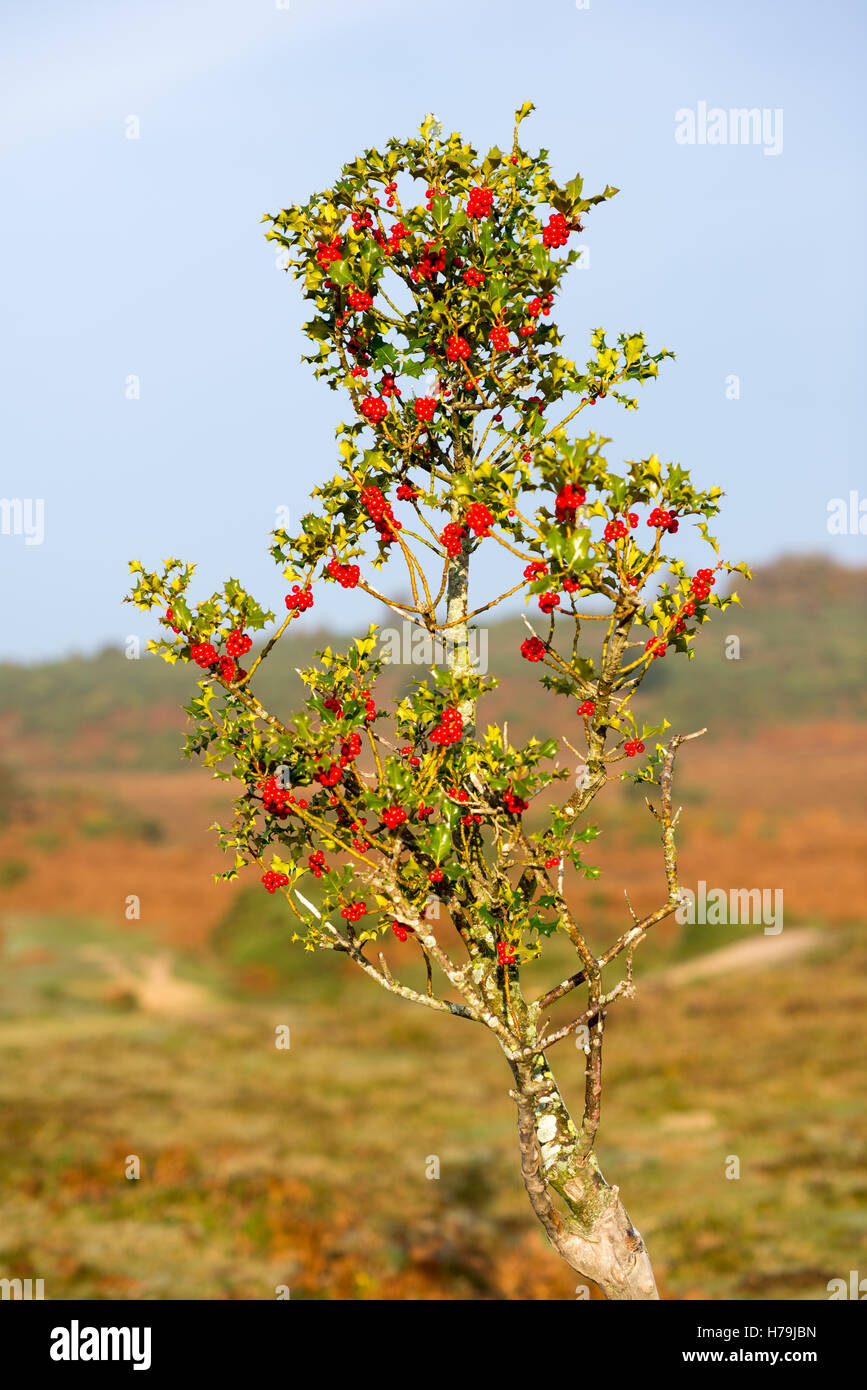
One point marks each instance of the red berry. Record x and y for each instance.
(453, 538)
(516, 804)
(203, 653)
(238, 643)
(569, 499)
(298, 599)
(374, 408)
(557, 231)
(479, 519)
(532, 649)
(479, 203)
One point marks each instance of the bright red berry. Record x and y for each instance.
(479, 519)
(532, 649)
(479, 203)
(203, 653)
(453, 538)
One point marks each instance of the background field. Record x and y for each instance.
(307, 1167)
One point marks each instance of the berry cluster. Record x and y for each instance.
(663, 519)
(238, 644)
(374, 409)
(395, 237)
(587, 708)
(615, 531)
(435, 876)
(354, 911)
(557, 231)
(549, 601)
(568, 500)
(516, 804)
(406, 493)
(275, 799)
(425, 407)
(540, 305)
(449, 729)
(229, 672)
(453, 539)
(317, 864)
(473, 277)
(272, 880)
(380, 514)
(346, 575)
(328, 251)
(479, 203)
(701, 585)
(361, 220)
(532, 649)
(633, 746)
(535, 570)
(505, 953)
(432, 263)
(369, 705)
(350, 749)
(298, 599)
(457, 348)
(388, 386)
(330, 777)
(499, 337)
(203, 653)
(393, 816)
(656, 646)
(479, 519)
(400, 932)
(359, 299)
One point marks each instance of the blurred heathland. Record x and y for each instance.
(307, 1167)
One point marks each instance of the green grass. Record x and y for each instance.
(307, 1167)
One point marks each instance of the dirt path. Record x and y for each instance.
(743, 955)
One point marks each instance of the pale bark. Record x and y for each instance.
(589, 1226)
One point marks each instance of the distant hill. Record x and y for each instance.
(802, 650)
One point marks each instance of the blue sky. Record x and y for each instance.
(146, 257)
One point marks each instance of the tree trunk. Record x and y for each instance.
(589, 1226)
